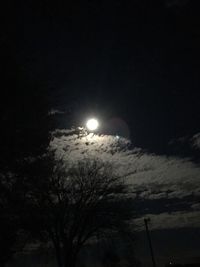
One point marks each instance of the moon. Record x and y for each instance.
(92, 124)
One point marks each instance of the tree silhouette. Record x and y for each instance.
(11, 216)
(71, 205)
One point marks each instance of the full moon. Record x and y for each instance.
(92, 124)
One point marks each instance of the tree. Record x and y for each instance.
(8, 225)
(24, 133)
(70, 206)
(11, 216)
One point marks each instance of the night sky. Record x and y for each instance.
(132, 64)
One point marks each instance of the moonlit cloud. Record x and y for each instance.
(196, 206)
(54, 112)
(149, 176)
(171, 220)
(195, 140)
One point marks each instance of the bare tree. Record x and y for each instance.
(73, 205)
(8, 220)
(11, 215)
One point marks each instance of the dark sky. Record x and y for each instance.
(134, 64)
(133, 60)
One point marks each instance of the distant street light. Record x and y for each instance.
(92, 124)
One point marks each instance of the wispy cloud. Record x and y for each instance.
(195, 141)
(55, 111)
(171, 3)
(149, 176)
(182, 219)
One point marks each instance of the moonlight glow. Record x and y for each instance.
(92, 124)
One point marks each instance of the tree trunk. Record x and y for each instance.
(70, 257)
(58, 256)
(69, 262)
(2, 264)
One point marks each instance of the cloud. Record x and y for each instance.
(54, 112)
(183, 219)
(149, 195)
(149, 176)
(196, 206)
(172, 3)
(195, 141)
